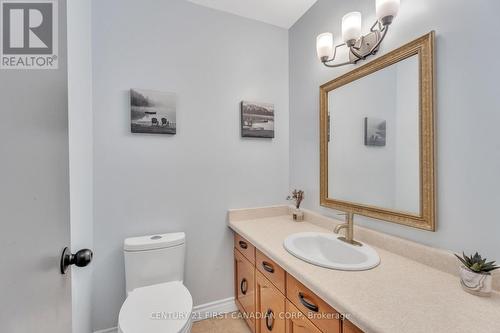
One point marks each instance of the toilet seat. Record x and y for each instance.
(160, 308)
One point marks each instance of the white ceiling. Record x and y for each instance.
(282, 13)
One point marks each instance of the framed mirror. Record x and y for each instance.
(377, 138)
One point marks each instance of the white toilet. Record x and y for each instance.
(157, 300)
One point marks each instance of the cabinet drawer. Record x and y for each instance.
(350, 327)
(247, 249)
(270, 306)
(244, 280)
(296, 321)
(318, 311)
(272, 271)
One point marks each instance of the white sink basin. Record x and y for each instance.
(326, 250)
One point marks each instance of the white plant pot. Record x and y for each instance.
(298, 215)
(475, 283)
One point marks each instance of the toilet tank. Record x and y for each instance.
(154, 259)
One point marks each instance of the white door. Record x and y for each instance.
(34, 198)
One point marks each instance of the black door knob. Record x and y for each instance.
(80, 259)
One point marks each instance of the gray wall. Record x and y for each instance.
(148, 184)
(468, 156)
(80, 156)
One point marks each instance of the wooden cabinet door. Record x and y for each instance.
(245, 247)
(271, 270)
(318, 311)
(270, 306)
(296, 321)
(349, 327)
(245, 288)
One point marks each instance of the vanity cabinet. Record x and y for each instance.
(296, 321)
(349, 327)
(320, 313)
(272, 271)
(270, 305)
(244, 276)
(245, 248)
(274, 301)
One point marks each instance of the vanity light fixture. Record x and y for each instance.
(360, 46)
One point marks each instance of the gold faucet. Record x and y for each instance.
(349, 226)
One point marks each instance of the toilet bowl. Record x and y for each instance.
(161, 308)
(157, 300)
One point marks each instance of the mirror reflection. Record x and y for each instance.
(374, 139)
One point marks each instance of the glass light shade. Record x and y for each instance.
(324, 45)
(387, 8)
(351, 26)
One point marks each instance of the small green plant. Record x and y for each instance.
(477, 264)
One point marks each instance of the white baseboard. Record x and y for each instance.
(108, 330)
(212, 309)
(200, 312)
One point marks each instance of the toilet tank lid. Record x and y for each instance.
(153, 242)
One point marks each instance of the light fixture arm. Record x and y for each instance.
(326, 62)
(375, 48)
(337, 65)
(362, 48)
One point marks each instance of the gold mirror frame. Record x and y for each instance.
(424, 48)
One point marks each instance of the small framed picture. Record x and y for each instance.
(257, 120)
(153, 112)
(375, 132)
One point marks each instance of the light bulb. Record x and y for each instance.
(324, 46)
(351, 27)
(387, 10)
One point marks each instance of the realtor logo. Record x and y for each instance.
(29, 34)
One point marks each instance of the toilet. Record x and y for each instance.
(157, 300)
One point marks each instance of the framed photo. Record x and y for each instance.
(257, 120)
(375, 132)
(153, 112)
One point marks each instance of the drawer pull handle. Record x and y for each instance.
(244, 286)
(269, 319)
(310, 306)
(267, 267)
(243, 245)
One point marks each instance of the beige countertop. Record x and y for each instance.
(400, 295)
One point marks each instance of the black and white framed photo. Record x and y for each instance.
(375, 132)
(257, 120)
(153, 112)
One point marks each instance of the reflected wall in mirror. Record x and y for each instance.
(374, 122)
(377, 138)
